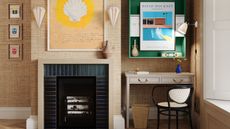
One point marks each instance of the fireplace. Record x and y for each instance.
(76, 96)
(76, 102)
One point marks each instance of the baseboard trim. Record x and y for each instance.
(15, 112)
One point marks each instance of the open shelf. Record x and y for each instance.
(180, 48)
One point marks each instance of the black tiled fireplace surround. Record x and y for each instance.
(52, 71)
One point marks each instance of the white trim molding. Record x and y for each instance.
(15, 112)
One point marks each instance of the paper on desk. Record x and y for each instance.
(143, 72)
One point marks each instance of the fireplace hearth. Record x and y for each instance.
(76, 96)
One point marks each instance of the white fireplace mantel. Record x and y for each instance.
(42, 62)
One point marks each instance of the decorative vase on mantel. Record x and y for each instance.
(32, 122)
(178, 68)
(106, 50)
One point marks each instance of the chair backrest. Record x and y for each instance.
(180, 93)
(159, 93)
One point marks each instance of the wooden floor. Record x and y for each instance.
(12, 124)
(152, 124)
(21, 124)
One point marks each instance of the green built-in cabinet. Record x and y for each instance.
(180, 42)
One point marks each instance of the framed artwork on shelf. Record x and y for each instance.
(15, 32)
(82, 30)
(157, 26)
(15, 51)
(15, 11)
(134, 26)
(180, 19)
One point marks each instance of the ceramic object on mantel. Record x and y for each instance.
(106, 50)
(32, 122)
(135, 51)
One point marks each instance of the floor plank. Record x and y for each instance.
(21, 124)
(152, 124)
(12, 124)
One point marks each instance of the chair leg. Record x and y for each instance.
(176, 119)
(158, 118)
(190, 118)
(169, 119)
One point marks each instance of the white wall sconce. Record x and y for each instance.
(113, 13)
(184, 27)
(39, 13)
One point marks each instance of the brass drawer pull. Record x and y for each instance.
(178, 81)
(143, 81)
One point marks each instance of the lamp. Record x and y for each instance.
(113, 13)
(184, 27)
(39, 13)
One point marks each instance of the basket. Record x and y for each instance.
(140, 115)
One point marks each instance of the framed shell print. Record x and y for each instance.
(80, 25)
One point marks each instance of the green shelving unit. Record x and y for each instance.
(180, 42)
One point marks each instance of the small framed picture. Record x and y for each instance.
(15, 31)
(15, 51)
(15, 11)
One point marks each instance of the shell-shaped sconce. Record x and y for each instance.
(113, 14)
(39, 13)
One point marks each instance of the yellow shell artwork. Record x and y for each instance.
(74, 13)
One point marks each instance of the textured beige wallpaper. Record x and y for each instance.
(18, 78)
(39, 51)
(197, 63)
(155, 65)
(14, 75)
(139, 94)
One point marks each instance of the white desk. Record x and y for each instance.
(153, 78)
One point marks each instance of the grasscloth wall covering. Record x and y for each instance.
(197, 64)
(18, 79)
(14, 75)
(38, 51)
(141, 94)
(156, 65)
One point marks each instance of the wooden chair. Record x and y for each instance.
(178, 99)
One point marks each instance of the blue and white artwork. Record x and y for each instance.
(158, 32)
(157, 26)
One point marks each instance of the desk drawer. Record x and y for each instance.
(177, 80)
(144, 80)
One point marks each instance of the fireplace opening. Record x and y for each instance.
(70, 99)
(76, 102)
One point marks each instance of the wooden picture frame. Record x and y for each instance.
(15, 51)
(15, 31)
(80, 35)
(15, 10)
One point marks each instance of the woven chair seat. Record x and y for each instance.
(172, 105)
